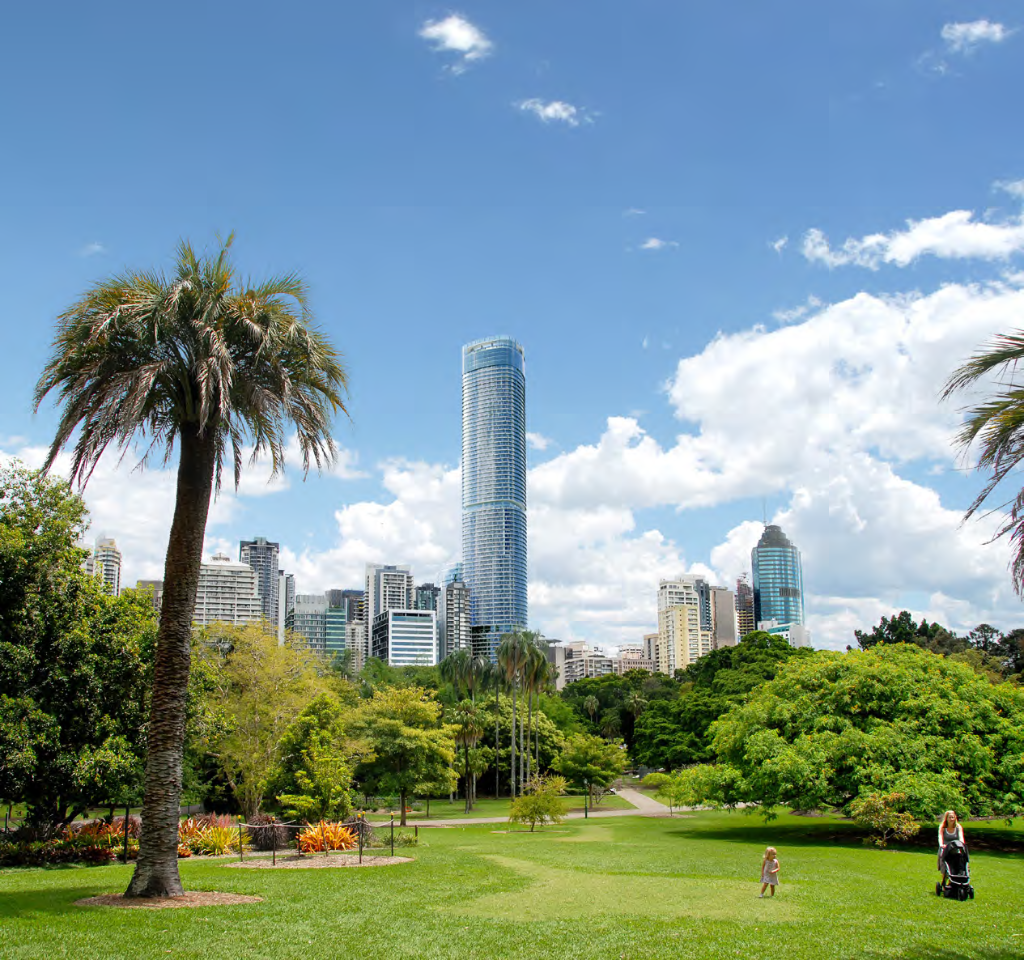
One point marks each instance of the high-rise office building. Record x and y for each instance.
(106, 564)
(723, 618)
(682, 637)
(405, 638)
(453, 623)
(309, 620)
(388, 587)
(778, 579)
(285, 601)
(227, 593)
(426, 598)
(494, 488)
(745, 622)
(262, 556)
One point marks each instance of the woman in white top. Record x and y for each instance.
(950, 829)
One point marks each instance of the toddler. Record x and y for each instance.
(769, 870)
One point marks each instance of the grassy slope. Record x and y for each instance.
(629, 888)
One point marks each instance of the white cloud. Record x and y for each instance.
(634, 212)
(538, 441)
(798, 313)
(555, 111)
(455, 34)
(1015, 188)
(656, 243)
(92, 249)
(779, 245)
(965, 37)
(953, 236)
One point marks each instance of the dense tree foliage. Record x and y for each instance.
(674, 733)
(894, 719)
(75, 662)
(410, 745)
(591, 763)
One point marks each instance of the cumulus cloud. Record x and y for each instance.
(656, 243)
(953, 236)
(93, 249)
(1015, 188)
(966, 37)
(455, 34)
(538, 441)
(555, 111)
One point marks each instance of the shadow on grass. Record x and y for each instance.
(931, 952)
(25, 904)
(799, 832)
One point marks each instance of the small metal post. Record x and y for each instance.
(416, 830)
(392, 834)
(273, 840)
(323, 838)
(241, 855)
(586, 795)
(126, 812)
(359, 824)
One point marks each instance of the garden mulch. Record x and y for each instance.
(314, 862)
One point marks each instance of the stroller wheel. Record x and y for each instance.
(970, 892)
(938, 889)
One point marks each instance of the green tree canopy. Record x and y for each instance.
(75, 662)
(893, 719)
(590, 761)
(403, 728)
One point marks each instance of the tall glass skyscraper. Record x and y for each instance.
(778, 578)
(494, 488)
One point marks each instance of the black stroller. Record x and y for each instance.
(957, 864)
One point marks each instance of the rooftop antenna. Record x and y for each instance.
(764, 510)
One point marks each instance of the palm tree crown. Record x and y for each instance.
(997, 426)
(141, 355)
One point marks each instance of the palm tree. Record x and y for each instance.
(453, 669)
(534, 674)
(511, 658)
(997, 425)
(471, 729)
(635, 703)
(591, 705)
(493, 676)
(210, 363)
(544, 674)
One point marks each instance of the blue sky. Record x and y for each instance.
(655, 199)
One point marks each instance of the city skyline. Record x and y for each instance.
(734, 285)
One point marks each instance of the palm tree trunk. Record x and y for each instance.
(468, 788)
(529, 730)
(512, 743)
(497, 740)
(156, 870)
(521, 781)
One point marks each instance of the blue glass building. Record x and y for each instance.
(494, 488)
(778, 578)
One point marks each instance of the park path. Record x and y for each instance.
(644, 807)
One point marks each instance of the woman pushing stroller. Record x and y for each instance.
(949, 830)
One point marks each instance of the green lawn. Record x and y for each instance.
(627, 888)
(489, 807)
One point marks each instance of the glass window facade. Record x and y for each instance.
(494, 488)
(778, 578)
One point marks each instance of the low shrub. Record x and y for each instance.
(268, 833)
(655, 781)
(318, 837)
(215, 841)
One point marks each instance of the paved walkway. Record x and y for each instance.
(644, 806)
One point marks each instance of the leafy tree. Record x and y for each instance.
(589, 762)
(75, 662)
(893, 719)
(261, 688)
(314, 774)
(539, 803)
(883, 816)
(559, 713)
(402, 726)
(674, 733)
(213, 365)
(550, 738)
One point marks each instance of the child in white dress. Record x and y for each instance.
(770, 870)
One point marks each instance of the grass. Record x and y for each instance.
(489, 807)
(626, 888)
